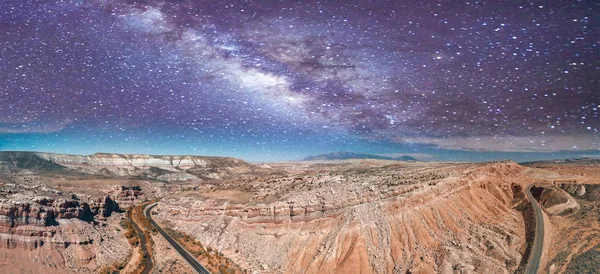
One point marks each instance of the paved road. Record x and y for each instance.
(148, 265)
(538, 241)
(187, 256)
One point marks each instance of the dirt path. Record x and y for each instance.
(149, 265)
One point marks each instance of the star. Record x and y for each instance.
(441, 77)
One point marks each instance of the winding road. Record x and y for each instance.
(187, 256)
(538, 241)
(532, 265)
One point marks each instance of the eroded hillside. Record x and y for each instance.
(66, 213)
(377, 219)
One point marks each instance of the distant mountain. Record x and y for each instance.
(570, 161)
(352, 155)
(158, 167)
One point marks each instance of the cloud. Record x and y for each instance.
(32, 127)
(540, 143)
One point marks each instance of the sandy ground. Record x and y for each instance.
(233, 196)
(548, 240)
(166, 259)
(133, 262)
(41, 260)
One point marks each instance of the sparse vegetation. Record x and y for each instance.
(560, 257)
(135, 214)
(129, 232)
(144, 224)
(113, 268)
(588, 262)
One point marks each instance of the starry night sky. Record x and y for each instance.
(280, 80)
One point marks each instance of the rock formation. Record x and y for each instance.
(156, 167)
(393, 219)
(60, 224)
(556, 201)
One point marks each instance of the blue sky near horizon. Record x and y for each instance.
(263, 152)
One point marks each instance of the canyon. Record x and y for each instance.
(65, 213)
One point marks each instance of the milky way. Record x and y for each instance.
(256, 79)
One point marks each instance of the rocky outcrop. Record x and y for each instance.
(172, 163)
(76, 245)
(556, 201)
(586, 192)
(29, 201)
(79, 230)
(127, 195)
(45, 211)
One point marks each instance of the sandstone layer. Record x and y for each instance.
(157, 167)
(400, 218)
(59, 230)
(64, 213)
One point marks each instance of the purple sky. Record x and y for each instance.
(296, 78)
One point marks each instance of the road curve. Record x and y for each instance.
(538, 241)
(187, 256)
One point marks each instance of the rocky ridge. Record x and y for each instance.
(156, 167)
(71, 228)
(28, 201)
(556, 201)
(63, 212)
(440, 218)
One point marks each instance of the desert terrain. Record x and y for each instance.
(70, 214)
(571, 200)
(362, 216)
